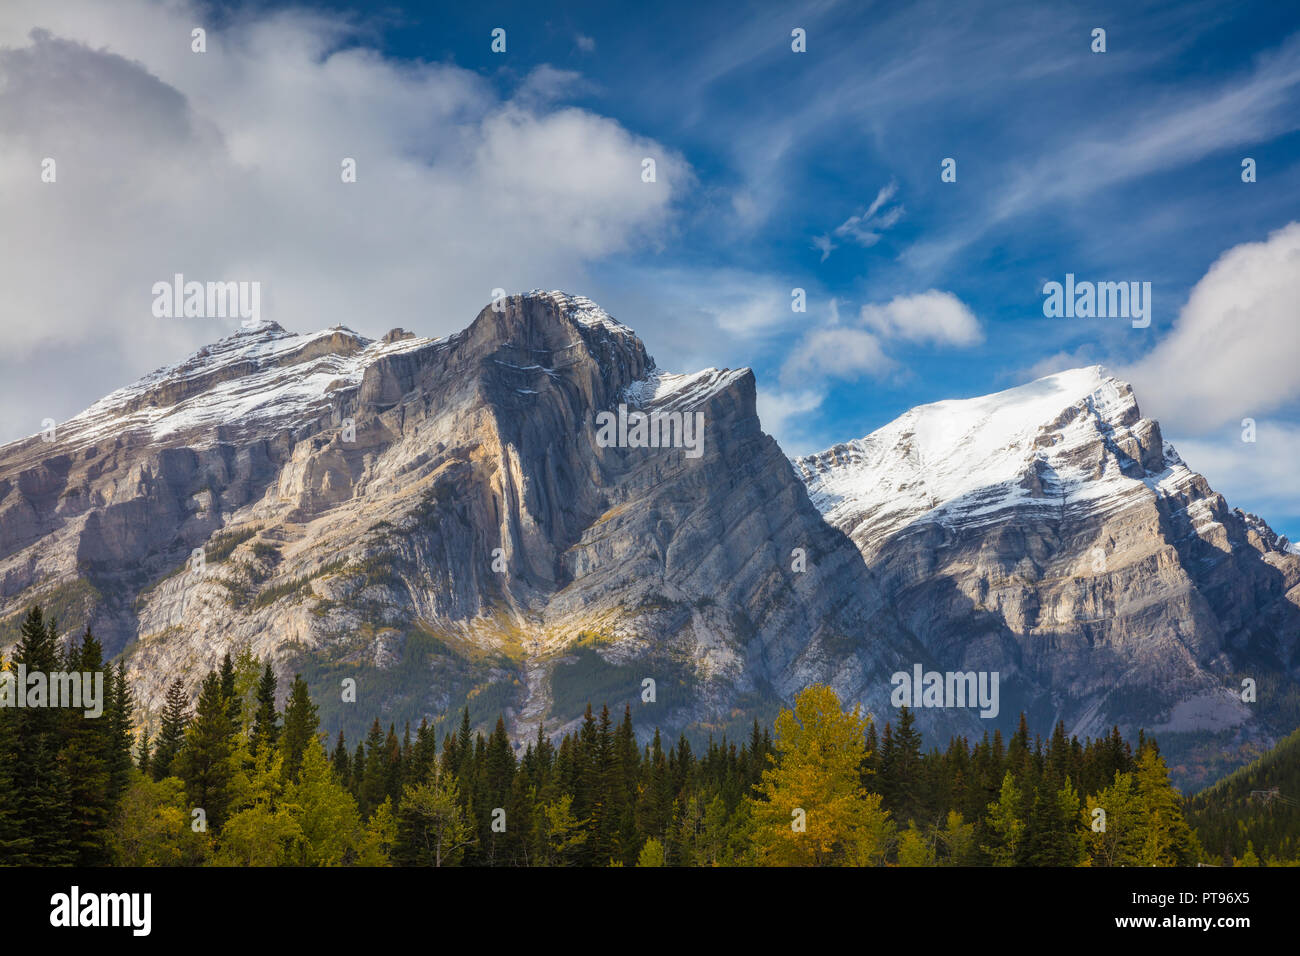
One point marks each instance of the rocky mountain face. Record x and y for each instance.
(1050, 532)
(453, 522)
(437, 520)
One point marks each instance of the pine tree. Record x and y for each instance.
(902, 775)
(1168, 841)
(495, 789)
(300, 725)
(392, 765)
(120, 715)
(230, 693)
(266, 719)
(371, 769)
(341, 763)
(1052, 836)
(143, 753)
(171, 730)
(14, 845)
(85, 750)
(42, 790)
(206, 761)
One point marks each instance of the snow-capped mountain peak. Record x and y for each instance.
(1073, 438)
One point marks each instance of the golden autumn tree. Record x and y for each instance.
(810, 808)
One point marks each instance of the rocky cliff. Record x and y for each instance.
(438, 521)
(1051, 532)
(447, 522)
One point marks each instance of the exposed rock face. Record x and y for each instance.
(1050, 533)
(472, 541)
(439, 520)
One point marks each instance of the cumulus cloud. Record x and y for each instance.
(936, 317)
(784, 416)
(852, 351)
(1232, 351)
(225, 165)
(1259, 476)
(837, 353)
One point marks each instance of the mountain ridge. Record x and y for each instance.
(475, 543)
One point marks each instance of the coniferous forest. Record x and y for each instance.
(231, 780)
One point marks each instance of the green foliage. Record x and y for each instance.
(1257, 805)
(827, 788)
(223, 544)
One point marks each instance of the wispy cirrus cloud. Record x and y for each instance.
(865, 228)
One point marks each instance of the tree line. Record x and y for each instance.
(235, 780)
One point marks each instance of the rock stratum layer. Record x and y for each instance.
(1051, 533)
(436, 519)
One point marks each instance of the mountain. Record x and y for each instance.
(475, 543)
(1050, 532)
(1254, 808)
(473, 521)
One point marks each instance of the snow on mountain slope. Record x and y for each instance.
(263, 377)
(582, 310)
(967, 461)
(683, 392)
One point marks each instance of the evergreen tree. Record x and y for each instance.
(206, 762)
(266, 719)
(1005, 825)
(143, 753)
(41, 788)
(300, 725)
(171, 729)
(372, 769)
(229, 692)
(341, 764)
(120, 716)
(1168, 841)
(85, 751)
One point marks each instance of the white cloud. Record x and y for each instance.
(782, 414)
(865, 228)
(1233, 350)
(936, 317)
(226, 165)
(849, 352)
(836, 353)
(1257, 476)
(1062, 361)
(585, 43)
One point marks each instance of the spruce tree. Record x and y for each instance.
(42, 790)
(372, 769)
(341, 764)
(266, 719)
(171, 730)
(85, 751)
(300, 726)
(121, 733)
(143, 753)
(206, 761)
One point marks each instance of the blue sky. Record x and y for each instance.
(818, 170)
